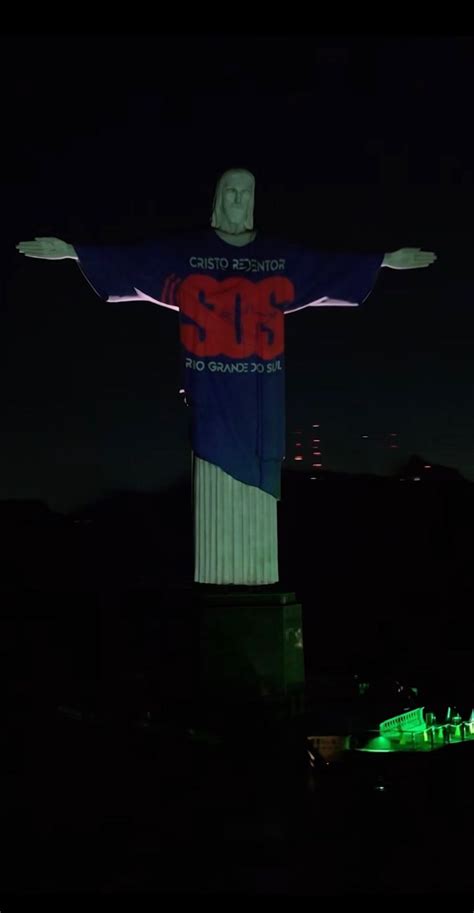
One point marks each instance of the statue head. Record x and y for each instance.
(234, 202)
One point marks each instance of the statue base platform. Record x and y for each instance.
(249, 645)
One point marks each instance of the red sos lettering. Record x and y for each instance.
(234, 317)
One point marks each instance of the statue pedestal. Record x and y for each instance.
(250, 647)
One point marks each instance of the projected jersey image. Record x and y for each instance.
(232, 312)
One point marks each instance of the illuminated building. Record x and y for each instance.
(304, 450)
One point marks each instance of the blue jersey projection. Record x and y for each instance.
(232, 302)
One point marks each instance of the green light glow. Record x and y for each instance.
(407, 733)
(411, 732)
(379, 743)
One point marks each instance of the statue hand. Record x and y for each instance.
(47, 249)
(409, 258)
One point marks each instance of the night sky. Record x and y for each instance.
(361, 143)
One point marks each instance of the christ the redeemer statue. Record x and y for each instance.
(233, 290)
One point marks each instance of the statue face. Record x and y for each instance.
(237, 196)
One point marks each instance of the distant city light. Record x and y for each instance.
(298, 444)
(416, 479)
(296, 458)
(318, 465)
(316, 453)
(316, 440)
(365, 436)
(427, 466)
(316, 426)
